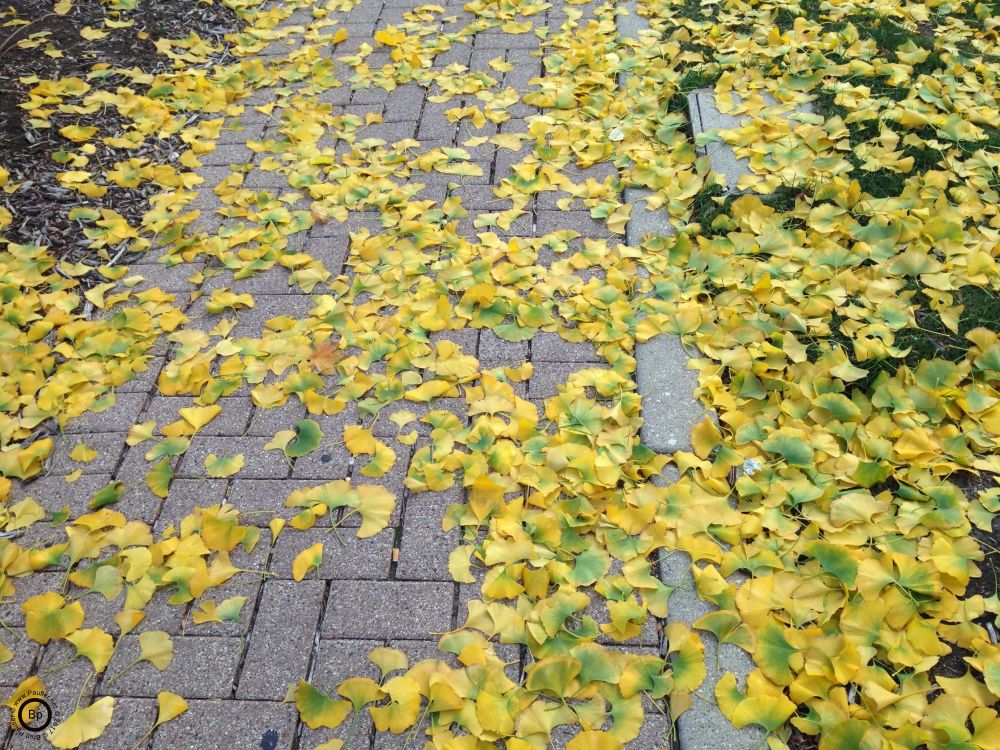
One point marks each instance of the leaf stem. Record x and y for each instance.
(122, 672)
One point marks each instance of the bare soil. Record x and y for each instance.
(41, 205)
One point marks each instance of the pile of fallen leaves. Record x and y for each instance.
(847, 440)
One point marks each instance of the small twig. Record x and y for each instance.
(15, 32)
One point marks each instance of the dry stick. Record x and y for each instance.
(3, 47)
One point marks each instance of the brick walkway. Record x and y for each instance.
(392, 589)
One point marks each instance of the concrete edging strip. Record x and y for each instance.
(669, 412)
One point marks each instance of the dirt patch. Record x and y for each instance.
(800, 741)
(36, 43)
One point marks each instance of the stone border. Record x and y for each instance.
(669, 412)
(705, 115)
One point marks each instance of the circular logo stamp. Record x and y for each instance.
(33, 715)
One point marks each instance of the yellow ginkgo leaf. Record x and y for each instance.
(388, 659)
(307, 560)
(360, 441)
(317, 710)
(223, 467)
(403, 707)
(82, 453)
(594, 740)
(280, 440)
(78, 133)
(156, 647)
(91, 35)
(141, 432)
(171, 706)
(226, 611)
(199, 416)
(223, 299)
(360, 691)
(48, 616)
(375, 505)
(84, 724)
(704, 437)
(95, 645)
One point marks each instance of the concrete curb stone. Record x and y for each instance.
(669, 412)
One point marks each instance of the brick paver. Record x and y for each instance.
(390, 589)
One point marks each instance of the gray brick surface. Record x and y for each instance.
(202, 667)
(548, 376)
(25, 652)
(345, 557)
(551, 347)
(330, 461)
(388, 609)
(351, 603)
(424, 549)
(495, 351)
(282, 640)
(231, 421)
(266, 422)
(272, 281)
(666, 386)
(132, 718)
(258, 462)
(229, 724)
(145, 380)
(578, 221)
(703, 727)
(262, 499)
(226, 154)
(53, 492)
(109, 447)
(340, 659)
(173, 279)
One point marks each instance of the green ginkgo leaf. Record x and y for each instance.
(228, 610)
(728, 627)
(109, 495)
(317, 710)
(105, 580)
(307, 439)
(792, 448)
(554, 676)
(774, 654)
(836, 561)
(171, 446)
(158, 478)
